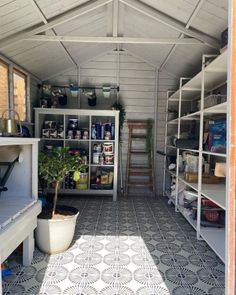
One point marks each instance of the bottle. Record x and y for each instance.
(112, 131)
(102, 131)
(93, 132)
(98, 130)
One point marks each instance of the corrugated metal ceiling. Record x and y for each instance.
(47, 58)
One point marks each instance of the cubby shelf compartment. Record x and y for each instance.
(215, 238)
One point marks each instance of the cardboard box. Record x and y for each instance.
(206, 178)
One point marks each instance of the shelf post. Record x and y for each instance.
(199, 200)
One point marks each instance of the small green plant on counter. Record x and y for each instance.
(55, 166)
(119, 107)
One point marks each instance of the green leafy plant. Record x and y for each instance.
(119, 107)
(149, 136)
(55, 166)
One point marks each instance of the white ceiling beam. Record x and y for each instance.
(188, 24)
(115, 23)
(44, 19)
(56, 21)
(114, 40)
(170, 22)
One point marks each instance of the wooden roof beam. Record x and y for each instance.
(52, 23)
(188, 24)
(44, 19)
(170, 22)
(115, 18)
(114, 40)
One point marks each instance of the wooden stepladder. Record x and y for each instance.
(140, 162)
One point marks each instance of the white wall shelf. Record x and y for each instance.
(215, 238)
(86, 118)
(214, 154)
(217, 69)
(212, 76)
(187, 217)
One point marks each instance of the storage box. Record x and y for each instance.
(206, 178)
(217, 136)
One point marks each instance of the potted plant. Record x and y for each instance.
(56, 224)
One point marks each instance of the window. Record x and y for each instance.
(13, 90)
(4, 102)
(19, 102)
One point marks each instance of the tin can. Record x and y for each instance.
(93, 132)
(50, 124)
(78, 134)
(109, 159)
(60, 134)
(70, 134)
(45, 133)
(53, 133)
(108, 148)
(85, 132)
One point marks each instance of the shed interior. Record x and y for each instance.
(140, 50)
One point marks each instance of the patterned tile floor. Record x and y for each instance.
(134, 246)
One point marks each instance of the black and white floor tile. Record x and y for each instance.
(133, 246)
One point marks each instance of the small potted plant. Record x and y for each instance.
(56, 224)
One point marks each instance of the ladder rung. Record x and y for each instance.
(143, 184)
(140, 167)
(138, 136)
(138, 152)
(140, 173)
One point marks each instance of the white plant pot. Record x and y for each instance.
(55, 235)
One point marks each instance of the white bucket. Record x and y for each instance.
(108, 148)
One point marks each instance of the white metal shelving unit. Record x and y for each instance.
(212, 76)
(87, 116)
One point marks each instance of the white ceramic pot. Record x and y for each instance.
(55, 235)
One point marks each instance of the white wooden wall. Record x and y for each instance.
(166, 82)
(137, 81)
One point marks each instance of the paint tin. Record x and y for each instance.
(78, 134)
(108, 148)
(45, 133)
(109, 159)
(70, 134)
(53, 133)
